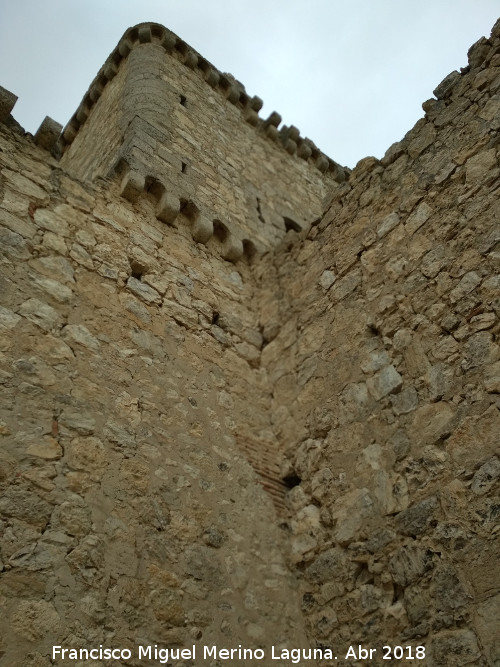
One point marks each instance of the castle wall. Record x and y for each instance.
(186, 130)
(382, 348)
(130, 382)
(150, 389)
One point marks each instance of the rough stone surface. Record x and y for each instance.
(299, 448)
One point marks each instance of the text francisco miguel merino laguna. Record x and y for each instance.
(163, 655)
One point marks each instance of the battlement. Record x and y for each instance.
(172, 127)
(225, 84)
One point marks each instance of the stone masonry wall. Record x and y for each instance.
(381, 344)
(130, 378)
(150, 388)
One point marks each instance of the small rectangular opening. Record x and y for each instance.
(183, 100)
(184, 168)
(291, 225)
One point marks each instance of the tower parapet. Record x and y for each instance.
(168, 123)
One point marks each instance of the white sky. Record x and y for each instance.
(350, 74)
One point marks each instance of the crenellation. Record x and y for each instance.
(48, 134)
(141, 132)
(7, 103)
(149, 33)
(249, 399)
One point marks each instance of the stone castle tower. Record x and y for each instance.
(249, 398)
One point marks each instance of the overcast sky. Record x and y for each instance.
(350, 74)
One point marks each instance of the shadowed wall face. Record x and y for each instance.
(129, 370)
(386, 382)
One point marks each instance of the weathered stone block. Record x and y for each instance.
(168, 208)
(409, 564)
(487, 475)
(7, 103)
(384, 382)
(417, 519)
(48, 133)
(143, 291)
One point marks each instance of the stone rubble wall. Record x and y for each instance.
(142, 374)
(129, 368)
(381, 344)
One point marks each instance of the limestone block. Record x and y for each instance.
(202, 229)
(388, 223)
(212, 77)
(409, 564)
(191, 59)
(345, 285)
(304, 150)
(331, 565)
(488, 613)
(70, 131)
(144, 33)
(34, 619)
(7, 103)
(374, 361)
(124, 47)
(416, 519)
(322, 162)
(467, 284)
(41, 314)
(423, 140)
(432, 422)
(110, 70)
(405, 402)
(384, 382)
(56, 290)
(478, 52)
(48, 133)
(256, 103)
(132, 185)
(252, 117)
(168, 208)
(492, 378)
(274, 119)
(301, 547)
(143, 291)
(327, 279)
(272, 132)
(455, 649)
(419, 216)
(478, 166)
(78, 333)
(25, 505)
(487, 475)
(447, 84)
(14, 244)
(232, 250)
(8, 319)
(52, 221)
(168, 40)
(55, 267)
(47, 448)
(82, 423)
(17, 225)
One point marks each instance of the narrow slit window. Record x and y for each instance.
(291, 225)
